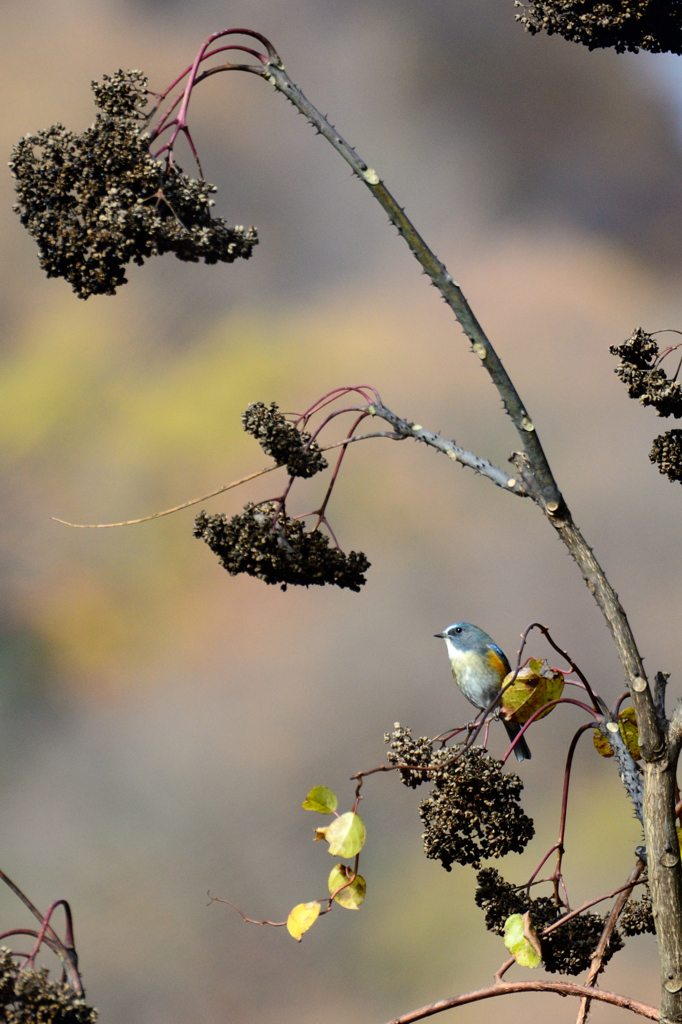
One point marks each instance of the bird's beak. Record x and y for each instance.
(439, 636)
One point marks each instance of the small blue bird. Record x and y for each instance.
(479, 667)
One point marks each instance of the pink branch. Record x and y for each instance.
(505, 988)
(564, 654)
(540, 711)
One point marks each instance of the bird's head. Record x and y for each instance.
(463, 636)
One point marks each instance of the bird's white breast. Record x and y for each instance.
(477, 681)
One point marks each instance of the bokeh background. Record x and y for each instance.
(160, 721)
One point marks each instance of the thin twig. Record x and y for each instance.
(403, 428)
(597, 964)
(221, 490)
(587, 904)
(247, 920)
(168, 511)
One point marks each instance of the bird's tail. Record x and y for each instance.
(521, 749)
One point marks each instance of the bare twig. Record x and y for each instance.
(247, 920)
(403, 428)
(597, 964)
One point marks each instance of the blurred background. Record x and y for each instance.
(161, 722)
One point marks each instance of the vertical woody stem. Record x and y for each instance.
(659, 755)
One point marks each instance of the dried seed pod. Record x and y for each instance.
(654, 25)
(404, 750)
(474, 812)
(568, 949)
(638, 916)
(666, 453)
(644, 380)
(97, 200)
(264, 542)
(282, 441)
(30, 997)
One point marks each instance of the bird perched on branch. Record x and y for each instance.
(479, 667)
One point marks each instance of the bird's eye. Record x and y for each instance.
(458, 630)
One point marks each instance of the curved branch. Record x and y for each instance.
(505, 988)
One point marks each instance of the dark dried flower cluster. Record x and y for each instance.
(474, 812)
(644, 380)
(638, 916)
(654, 25)
(266, 543)
(282, 441)
(97, 200)
(649, 383)
(568, 949)
(29, 997)
(406, 751)
(666, 453)
(499, 898)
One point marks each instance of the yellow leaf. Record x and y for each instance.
(320, 799)
(301, 918)
(345, 835)
(628, 730)
(601, 744)
(627, 724)
(518, 945)
(534, 686)
(352, 896)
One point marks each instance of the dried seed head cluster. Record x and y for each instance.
(654, 25)
(97, 200)
(264, 542)
(644, 379)
(499, 898)
(29, 997)
(640, 371)
(568, 949)
(666, 453)
(638, 916)
(474, 812)
(406, 751)
(282, 441)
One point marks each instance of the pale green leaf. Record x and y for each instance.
(321, 799)
(352, 896)
(518, 945)
(301, 918)
(345, 835)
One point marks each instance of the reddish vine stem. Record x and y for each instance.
(66, 951)
(543, 710)
(504, 988)
(558, 877)
(597, 702)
